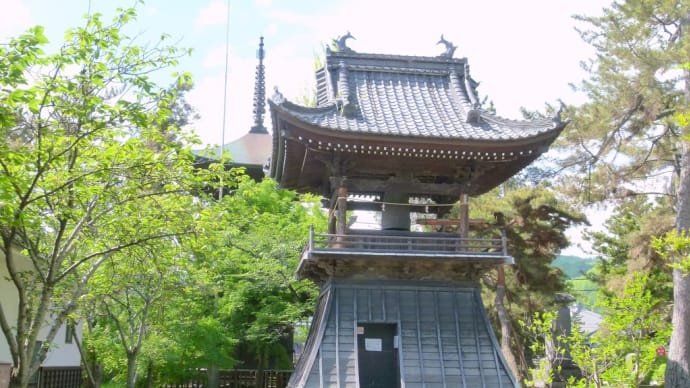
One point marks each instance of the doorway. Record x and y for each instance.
(377, 355)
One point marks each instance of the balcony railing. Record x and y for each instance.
(404, 243)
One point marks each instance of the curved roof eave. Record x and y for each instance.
(288, 111)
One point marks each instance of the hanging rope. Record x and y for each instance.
(426, 205)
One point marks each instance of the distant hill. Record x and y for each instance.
(574, 266)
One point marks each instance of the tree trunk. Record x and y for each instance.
(131, 369)
(678, 363)
(677, 368)
(212, 376)
(149, 375)
(506, 329)
(17, 382)
(262, 364)
(21, 378)
(91, 378)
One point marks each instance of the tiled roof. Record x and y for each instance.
(252, 149)
(406, 96)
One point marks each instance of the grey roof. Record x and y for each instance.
(446, 339)
(252, 149)
(429, 97)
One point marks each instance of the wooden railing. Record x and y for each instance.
(402, 242)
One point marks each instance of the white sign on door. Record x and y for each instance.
(373, 344)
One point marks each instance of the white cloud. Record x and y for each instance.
(215, 57)
(207, 97)
(151, 10)
(263, 3)
(213, 14)
(14, 18)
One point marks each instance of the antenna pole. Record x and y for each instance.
(225, 98)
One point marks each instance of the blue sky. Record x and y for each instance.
(523, 53)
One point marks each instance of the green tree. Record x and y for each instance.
(240, 296)
(255, 261)
(85, 170)
(535, 222)
(621, 353)
(628, 131)
(127, 298)
(626, 246)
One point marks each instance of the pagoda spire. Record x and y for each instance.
(259, 92)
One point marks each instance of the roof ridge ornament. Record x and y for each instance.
(557, 117)
(340, 43)
(277, 97)
(345, 101)
(474, 113)
(259, 92)
(450, 48)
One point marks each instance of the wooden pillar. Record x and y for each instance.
(338, 223)
(341, 211)
(464, 227)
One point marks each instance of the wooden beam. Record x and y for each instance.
(451, 222)
(401, 186)
(376, 206)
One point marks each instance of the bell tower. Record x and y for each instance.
(399, 135)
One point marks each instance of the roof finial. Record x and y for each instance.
(259, 92)
(557, 117)
(340, 43)
(474, 113)
(450, 49)
(277, 97)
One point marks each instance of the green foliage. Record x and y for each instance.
(626, 245)
(229, 288)
(674, 247)
(93, 169)
(535, 222)
(627, 132)
(241, 292)
(622, 352)
(539, 332)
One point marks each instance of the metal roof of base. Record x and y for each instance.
(446, 339)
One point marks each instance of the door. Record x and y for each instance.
(377, 355)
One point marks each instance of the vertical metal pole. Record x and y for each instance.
(225, 98)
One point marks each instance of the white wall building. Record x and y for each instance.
(63, 351)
